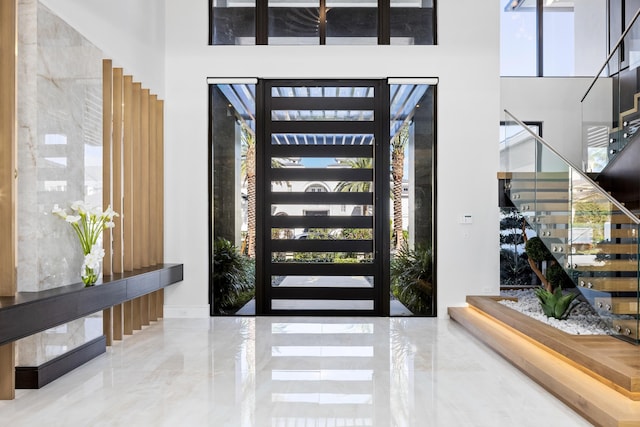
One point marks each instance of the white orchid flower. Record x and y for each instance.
(59, 212)
(79, 207)
(110, 213)
(88, 222)
(96, 210)
(73, 219)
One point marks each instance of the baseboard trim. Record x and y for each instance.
(33, 377)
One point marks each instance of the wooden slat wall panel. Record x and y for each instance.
(160, 183)
(160, 201)
(127, 190)
(127, 176)
(137, 178)
(107, 156)
(136, 306)
(8, 190)
(8, 146)
(153, 313)
(127, 318)
(7, 371)
(153, 178)
(144, 177)
(137, 192)
(117, 144)
(116, 163)
(118, 326)
(133, 168)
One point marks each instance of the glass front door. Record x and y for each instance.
(322, 238)
(303, 219)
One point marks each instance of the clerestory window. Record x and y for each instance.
(322, 22)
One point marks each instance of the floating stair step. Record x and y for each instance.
(565, 219)
(609, 265)
(551, 219)
(609, 284)
(538, 185)
(543, 206)
(616, 248)
(539, 196)
(554, 233)
(540, 176)
(626, 327)
(618, 305)
(623, 233)
(620, 219)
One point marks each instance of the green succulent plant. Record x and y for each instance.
(556, 304)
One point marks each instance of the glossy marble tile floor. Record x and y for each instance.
(283, 371)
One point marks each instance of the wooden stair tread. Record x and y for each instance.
(618, 305)
(538, 185)
(528, 176)
(610, 265)
(609, 284)
(566, 219)
(561, 233)
(616, 248)
(622, 233)
(529, 196)
(544, 206)
(628, 327)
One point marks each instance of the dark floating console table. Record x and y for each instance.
(128, 301)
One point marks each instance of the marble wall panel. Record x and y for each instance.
(59, 161)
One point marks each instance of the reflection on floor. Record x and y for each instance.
(285, 371)
(396, 309)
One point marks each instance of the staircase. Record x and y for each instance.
(590, 235)
(621, 175)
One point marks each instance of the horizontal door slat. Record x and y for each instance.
(322, 103)
(321, 151)
(317, 245)
(321, 269)
(318, 126)
(321, 221)
(312, 198)
(320, 174)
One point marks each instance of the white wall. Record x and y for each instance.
(553, 101)
(467, 63)
(130, 32)
(468, 103)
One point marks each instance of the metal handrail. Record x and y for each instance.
(624, 34)
(538, 138)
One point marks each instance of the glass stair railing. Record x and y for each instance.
(590, 234)
(610, 113)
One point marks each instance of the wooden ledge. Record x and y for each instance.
(610, 360)
(589, 397)
(27, 313)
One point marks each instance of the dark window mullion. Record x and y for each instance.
(262, 22)
(210, 23)
(384, 22)
(539, 39)
(323, 22)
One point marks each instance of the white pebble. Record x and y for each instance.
(582, 320)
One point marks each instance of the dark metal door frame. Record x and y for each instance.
(379, 198)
